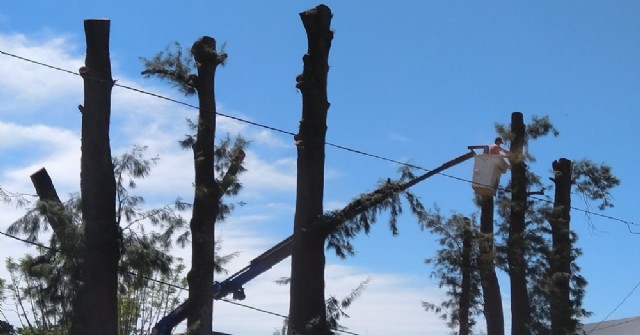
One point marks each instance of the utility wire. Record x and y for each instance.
(615, 309)
(356, 151)
(628, 223)
(636, 319)
(167, 283)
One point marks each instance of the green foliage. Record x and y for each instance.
(536, 248)
(226, 155)
(47, 281)
(145, 249)
(144, 300)
(226, 151)
(16, 199)
(540, 126)
(220, 261)
(340, 239)
(40, 310)
(6, 328)
(368, 206)
(594, 182)
(174, 65)
(335, 307)
(449, 264)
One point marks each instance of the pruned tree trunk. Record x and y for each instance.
(465, 285)
(516, 242)
(95, 308)
(207, 193)
(307, 311)
(57, 216)
(562, 322)
(492, 297)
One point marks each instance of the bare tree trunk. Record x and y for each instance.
(560, 292)
(307, 310)
(56, 214)
(493, 313)
(96, 308)
(465, 289)
(516, 243)
(207, 193)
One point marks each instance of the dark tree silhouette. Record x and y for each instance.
(212, 181)
(96, 300)
(307, 309)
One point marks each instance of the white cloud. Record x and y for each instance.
(391, 304)
(56, 149)
(278, 175)
(33, 86)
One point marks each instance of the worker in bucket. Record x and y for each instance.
(496, 149)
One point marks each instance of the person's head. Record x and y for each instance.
(498, 140)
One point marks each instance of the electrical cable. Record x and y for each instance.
(628, 223)
(636, 319)
(615, 309)
(166, 283)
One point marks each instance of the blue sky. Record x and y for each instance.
(418, 81)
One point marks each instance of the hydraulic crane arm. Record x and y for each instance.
(233, 284)
(259, 265)
(256, 267)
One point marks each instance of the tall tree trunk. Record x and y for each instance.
(493, 313)
(207, 193)
(516, 243)
(307, 311)
(465, 289)
(560, 292)
(95, 308)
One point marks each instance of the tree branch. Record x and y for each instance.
(232, 172)
(57, 216)
(390, 188)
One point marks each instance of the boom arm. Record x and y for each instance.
(264, 262)
(233, 284)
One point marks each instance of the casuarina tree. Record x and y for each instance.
(212, 180)
(96, 299)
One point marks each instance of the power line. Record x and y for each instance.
(636, 319)
(616, 308)
(166, 283)
(628, 223)
(356, 151)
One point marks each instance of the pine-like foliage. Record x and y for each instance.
(12, 198)
(176, 66)
(593, 182)
(358, 216)
(455, 268)
(336, 308)
(48, 279)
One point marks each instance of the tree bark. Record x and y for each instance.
(307, 310)
(55, 212)
(465, 289)
(95, 308)
(207, 193)
(560, 292)
(516, 243)
(493, 313)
